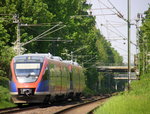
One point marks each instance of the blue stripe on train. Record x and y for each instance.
(12, 87)
(43, 86)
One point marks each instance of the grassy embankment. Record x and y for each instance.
(136, 101)
(4, 94)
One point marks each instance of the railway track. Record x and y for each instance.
(83, 108)
(17, 109)
(56, 108)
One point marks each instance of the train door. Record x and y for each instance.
(70, 77)
(64, 79)
(58, 79)
(52, 78)
(71, 81)
(79, 80)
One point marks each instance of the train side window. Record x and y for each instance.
(52, 69)
(58, 70)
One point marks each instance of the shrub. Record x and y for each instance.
(4, 82)
(4, 94)
(88, 92)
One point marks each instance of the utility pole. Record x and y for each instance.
(139, 18)
(71, 56)
(143, 56)
(17, 44)
(146, 56)
(129, 62)
(18, 39)
(137, 47)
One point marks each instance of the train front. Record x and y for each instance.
(26, 78)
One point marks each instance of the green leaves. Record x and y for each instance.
(6, 54)
(144, 43)
(4, 37)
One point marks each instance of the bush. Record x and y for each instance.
(5, 98)
(142, 86)
(4, 94)
(6, 55)
(4, 82)
(88, 92)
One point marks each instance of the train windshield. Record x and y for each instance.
(27, 72)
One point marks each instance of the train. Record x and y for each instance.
(43, 78)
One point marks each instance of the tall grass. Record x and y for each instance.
(4, 93)
(136, 101)
(5, 98)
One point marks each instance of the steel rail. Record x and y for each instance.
(81, 104)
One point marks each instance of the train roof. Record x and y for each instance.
(40, 54)
(71, 62)
(50, 56)
(36, 54)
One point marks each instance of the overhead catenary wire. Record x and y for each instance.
(107, 20)
(93, 15)
(106, 6)
(102, 18)
(6, 14)
(123, 49)
(56, 40)
(116, 25)
(117, 30)
(44, 34)
(101, 9)
(107, 28)
(122, 36)
(90, 59)
(119, 14)
(40, 24)
(114, 32)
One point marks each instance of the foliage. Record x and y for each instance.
(144, 43)
(88, 92)
(141, 87)
(92, 79)
(136, 101)
(5, 98)
(6, 54)
(4, 82)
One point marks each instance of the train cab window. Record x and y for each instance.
(27, 72)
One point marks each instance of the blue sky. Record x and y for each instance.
(113, 27)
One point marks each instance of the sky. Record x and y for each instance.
(113, 28)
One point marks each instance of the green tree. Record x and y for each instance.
(144, 43)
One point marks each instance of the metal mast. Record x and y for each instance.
(129, 53)
(17, 43)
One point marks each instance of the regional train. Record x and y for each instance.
(43, 78)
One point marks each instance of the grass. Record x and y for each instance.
(5, 98)
(4, 93)
(136, 101)
(6, 105)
